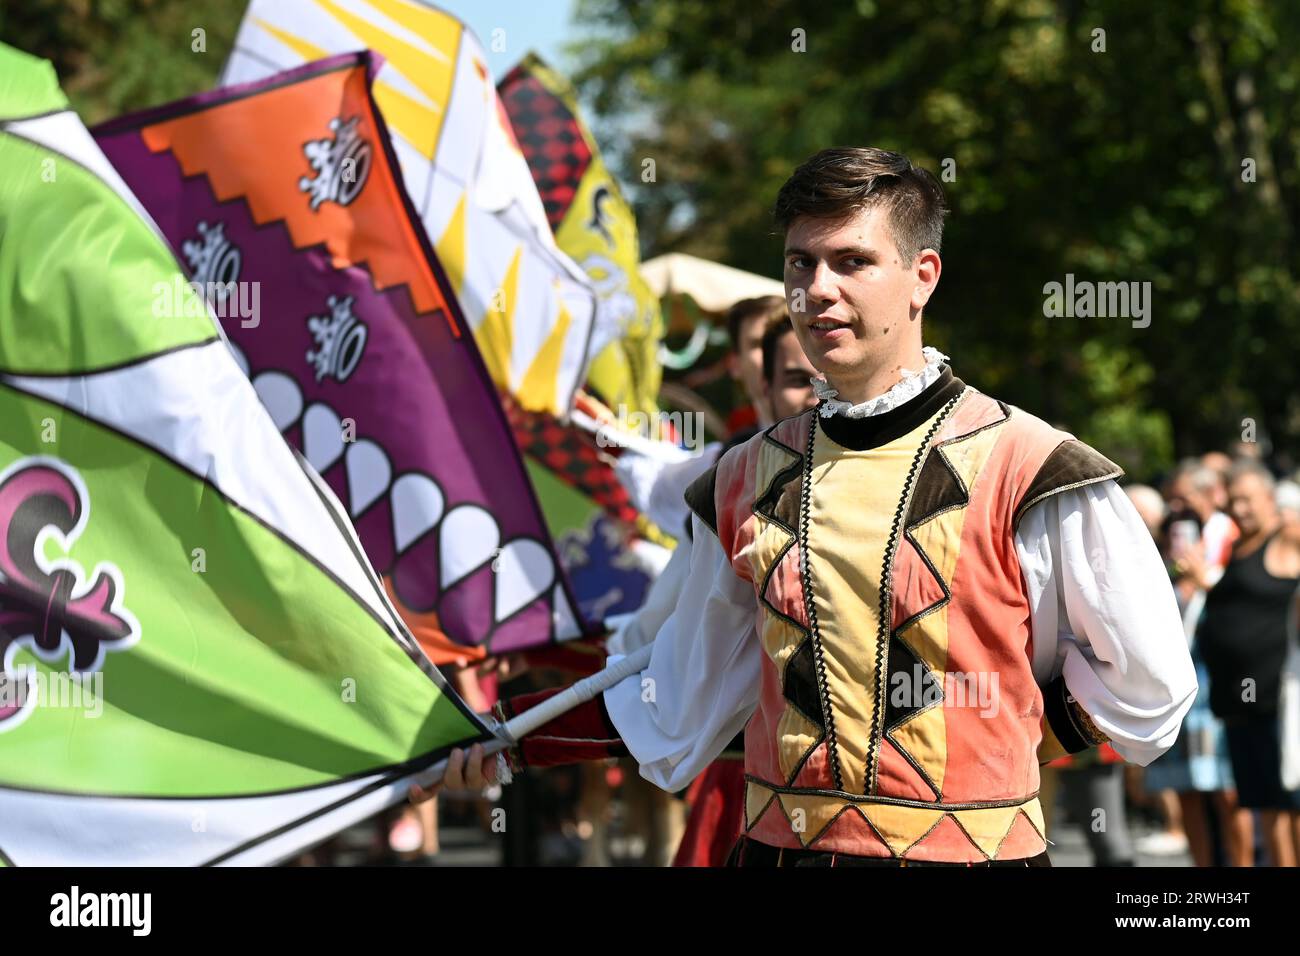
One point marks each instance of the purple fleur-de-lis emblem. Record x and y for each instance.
(47, 604)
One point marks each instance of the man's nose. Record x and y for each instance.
(823, 288)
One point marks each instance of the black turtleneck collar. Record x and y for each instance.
(859, 434)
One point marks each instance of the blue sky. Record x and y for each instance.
(541, 25)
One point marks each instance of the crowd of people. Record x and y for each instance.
(1229, 528)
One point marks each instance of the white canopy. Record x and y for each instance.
(714, 287)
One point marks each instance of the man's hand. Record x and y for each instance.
(506, 668)
(467, 771)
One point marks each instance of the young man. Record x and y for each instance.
(909, 596)
(655, 488)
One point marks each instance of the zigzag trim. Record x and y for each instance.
(321, 247)
(774, 797)
(885, 609)
(765, 505)
(899, 749)
(805, 575)
(911, 526)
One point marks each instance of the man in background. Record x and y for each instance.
(717, 797)
(746, 322)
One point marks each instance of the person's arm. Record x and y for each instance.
(660, 601)
(676, 716)
(1109, 648)
(701, 685)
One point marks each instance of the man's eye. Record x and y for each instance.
(856, 262)
(798, 262)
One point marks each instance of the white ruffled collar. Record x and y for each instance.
(911, 385)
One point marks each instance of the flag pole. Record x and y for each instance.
(581, 692)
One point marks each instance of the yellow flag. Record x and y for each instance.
(593, 224)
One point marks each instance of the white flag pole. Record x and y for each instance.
(525, 723)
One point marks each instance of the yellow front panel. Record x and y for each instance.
(855, 496)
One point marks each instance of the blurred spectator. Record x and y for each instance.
(1288, 505)
(1220, 464)
(1242, 637)
(1150, 507)
(746, 321)
(1197, 767)
(1218, 461)
(717, 796)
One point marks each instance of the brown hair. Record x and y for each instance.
(768, 306)
(777, 325)
(835, 183)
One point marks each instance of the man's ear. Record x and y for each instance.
(926, 271)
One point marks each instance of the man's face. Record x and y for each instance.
(849, 292)
(1183, 493)
(746, 362)
(1151, 512)
(1220, 463)
(1250, 501)
(790, 391)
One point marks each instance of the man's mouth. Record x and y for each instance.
(826, 326)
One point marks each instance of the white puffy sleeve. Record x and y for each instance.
(1105, 619)
(701, 685)
(642, 626)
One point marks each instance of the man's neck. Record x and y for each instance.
(878, 380)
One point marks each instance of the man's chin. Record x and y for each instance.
(836, 361)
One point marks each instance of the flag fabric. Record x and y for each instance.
(593, 223)
(532, 310)
(609, 550)
(574, 456)
(199, 664)
(285, 193)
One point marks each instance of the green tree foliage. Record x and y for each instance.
(1122, 165)
(1117, 165)
(115, 56)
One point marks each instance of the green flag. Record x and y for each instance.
(199, 664)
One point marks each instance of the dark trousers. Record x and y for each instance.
(748, 852)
